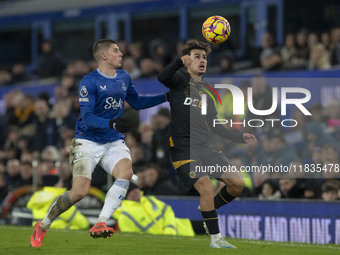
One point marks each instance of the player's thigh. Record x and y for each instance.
(185, 165)
(83, 157)
(117, 159)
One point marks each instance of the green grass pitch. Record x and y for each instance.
(15, 240)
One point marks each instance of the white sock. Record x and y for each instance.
(113, 199)
(215, 237)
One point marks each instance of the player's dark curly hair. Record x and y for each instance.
(195, 45)
(101, 45)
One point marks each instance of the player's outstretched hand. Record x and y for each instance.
(249, 138)
(120, 125)
(187, 60)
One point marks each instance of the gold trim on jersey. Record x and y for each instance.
(171, 142)
(180, 163)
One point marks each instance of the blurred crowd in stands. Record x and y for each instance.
(302, 50)
(36, 131)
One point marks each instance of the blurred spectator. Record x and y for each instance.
(60, 93)
(123, 47)
(316, 156)
(3, 187)
(19, 73)
(147, 68)
(269, 190)
(137, 156)
(319, 58)
(45, 128)
(23, 112)
(179, 48)
(262, 100)
(157, 182)
(159, 52)
(311, 189)
(282, 153)
(12, 100)
(5, 77)
(160, 143)
(14, 179)
(11, 144)
(317, 113)
(264, 154)
(330, 160)
(137, 210)
(299, 60)
(62, 115)
(129, 64)
(332, 112)
(335, 47)
(26, 172)
(68, 82)
(312, 40)
(326, 40)
(65, 174)
(288, 51)
(146, 132)
(225, 64)
(270, 58)
(290, 188)
(136, 51)
(50, 62)
(330, 190)
(315, 137)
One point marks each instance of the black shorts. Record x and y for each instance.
(193, 162)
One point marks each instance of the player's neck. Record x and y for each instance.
(109, 71)
(196, 77)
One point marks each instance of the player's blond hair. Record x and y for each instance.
(195, 45)
(100, 46)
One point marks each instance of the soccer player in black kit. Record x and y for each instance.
(188, 135)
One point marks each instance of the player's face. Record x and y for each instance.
(114, 56)
(199, 63)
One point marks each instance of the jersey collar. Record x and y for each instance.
(106, 76)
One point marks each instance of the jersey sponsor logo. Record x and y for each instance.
(102, 87)
(124, 86)
(193, 102)
(83, 100)
(113, 103)
(83, 91)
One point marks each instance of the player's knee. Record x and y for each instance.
(238, 185)
(126, 175)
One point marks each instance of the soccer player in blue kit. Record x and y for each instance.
(99, 138)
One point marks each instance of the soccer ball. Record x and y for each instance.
(216, 29)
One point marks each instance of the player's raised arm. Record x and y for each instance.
(142, 102)
(169, 75)
(220, 130)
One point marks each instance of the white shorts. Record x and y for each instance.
(85, 155)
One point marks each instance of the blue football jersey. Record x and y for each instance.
(102, 98)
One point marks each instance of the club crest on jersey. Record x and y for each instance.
(83, 91)
(102, 87)
(123, 86)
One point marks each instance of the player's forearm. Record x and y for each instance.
(144, 102)
(166, 76)
(92, 120)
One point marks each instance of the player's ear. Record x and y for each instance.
(103, 55)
